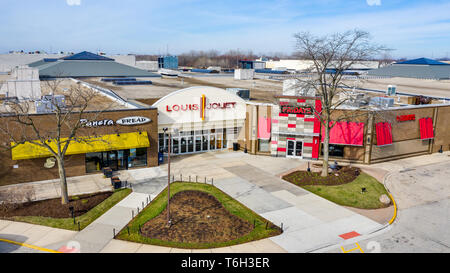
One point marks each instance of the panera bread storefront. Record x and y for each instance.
(119, 139)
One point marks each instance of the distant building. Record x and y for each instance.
(421, 68)
(168, 62)
(250, 64)
(86, 64)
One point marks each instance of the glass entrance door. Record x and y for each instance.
(290, 148)
(112, 159)
(294, 148)
(298, 148)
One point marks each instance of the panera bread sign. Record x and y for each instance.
(127, 121)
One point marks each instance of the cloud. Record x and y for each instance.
(73, 2)
(373, 2)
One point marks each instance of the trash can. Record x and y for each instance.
(160, 158)
(117, 184)
(235, 146)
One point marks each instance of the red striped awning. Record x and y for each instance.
(426, 128)
(384, 133)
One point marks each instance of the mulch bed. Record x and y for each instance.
(197, 217)
(53, 207)
(343, 176)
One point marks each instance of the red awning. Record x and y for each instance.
(264, 128)
(346, 133)
(426, 128)
(384, 133)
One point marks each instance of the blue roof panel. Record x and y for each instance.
(87, 56)
(425, 61)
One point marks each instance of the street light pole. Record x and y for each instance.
(168, 178)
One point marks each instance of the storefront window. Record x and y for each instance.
(175, 146)
(93, 162)
(190, 144)
(183, 144)
(205, 143)
(264, 145)
(137, 157)
(161, 142)
(116, 160)
(198, 143)
(224, 138)
(334, 150)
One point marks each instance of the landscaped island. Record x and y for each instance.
(348, 186)
(202, 216)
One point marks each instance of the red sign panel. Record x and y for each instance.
(289, 109)
(406, 117)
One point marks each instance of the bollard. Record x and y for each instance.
(189, 178)
(181, 177)
(149, 198)
(147, 201)
(205, 179)
(138, 210)
(142, 205)
(132, 214)
(281, 226)
(196, 178)
(212, 181)
(128, 230)
(79, 226)
(173, 178)
(140, 232)
(114, 233)
(267, 224)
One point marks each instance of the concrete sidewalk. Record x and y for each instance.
(76, 185)
(99, 233)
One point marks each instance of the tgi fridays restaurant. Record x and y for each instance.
(290, 129)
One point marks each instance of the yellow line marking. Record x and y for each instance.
(350, 250)
(395, 210)
(29, 246)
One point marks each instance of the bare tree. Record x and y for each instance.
(65, 124)
(338, 52)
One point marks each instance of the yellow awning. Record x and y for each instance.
(89, 145)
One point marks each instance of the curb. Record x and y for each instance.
(392, 198)
(29, 246)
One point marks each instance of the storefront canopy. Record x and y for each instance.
(86, 145)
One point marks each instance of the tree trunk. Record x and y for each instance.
(63, 181)
(326, 150)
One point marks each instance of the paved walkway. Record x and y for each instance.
(48, 189)
(309, 222)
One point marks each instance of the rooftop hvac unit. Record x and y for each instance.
(243, 93)
(382, 102)
(391, 90)
(48, 103)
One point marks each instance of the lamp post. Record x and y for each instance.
(168, 177)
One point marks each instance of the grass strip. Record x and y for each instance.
(351, 195)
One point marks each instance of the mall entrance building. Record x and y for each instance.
(199, 119)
